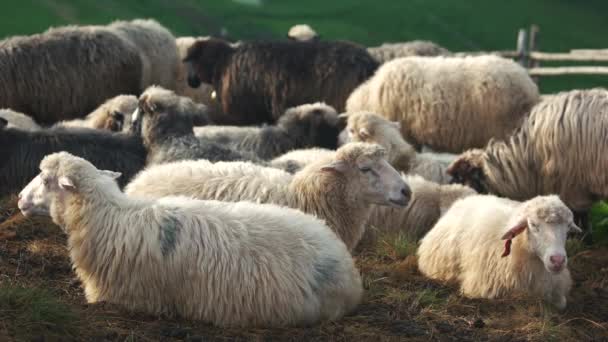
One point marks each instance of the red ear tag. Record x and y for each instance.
(507, 248)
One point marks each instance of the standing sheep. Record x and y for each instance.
(231, 264)
(308, 125)
(389, 51)
(428, 203)
(495, 247)
(113, 115)
(22, 151)
(18, 120)
(560, 149)
(372, 128)
(449, 103)
(297, 159)
(339, 190)
(66, 72)
(165, 122)
(257, 81)
(303, 33)
(156, 47)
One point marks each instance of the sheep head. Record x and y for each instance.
(468, 170)
(546, 221)
(61, 174)
(317, 122)
(203, 60)
(116, 113)
(364, 169)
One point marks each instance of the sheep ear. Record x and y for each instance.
(335, 166)
(111, 174)
(364, 133)
(66, 183)
(574, 228)
(512, 233)
(135, 115)
(3, 123)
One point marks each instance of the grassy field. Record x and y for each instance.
(458, 25)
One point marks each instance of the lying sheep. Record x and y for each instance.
(303, 33)
(389, 51)
(476, 243)
(449, 103)
(18, 120)
(308, 125)
(372, 128)
(339, 190)
(22, 151)
(165, 122)
(156, 47)
(204, 93)
(559, 149)
(257, 81)
(231, 264)
(428, 203)
(66, 72)
(113, 115)
(297, 159)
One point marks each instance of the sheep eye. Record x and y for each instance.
(365, 169)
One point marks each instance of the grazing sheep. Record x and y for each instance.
(308, 125)
(339, 190)
(113, 115)
(66, 72)
(495, 247)
(372, 128)
(157, 50)
(231, 264)
(257, 81)
(165, 122)
(297, 159)
(559, 149)
(202, 94)
(429, 201)
(389, 51)
(303, 33)
(22, 151)
(18, 120)
(449, 103)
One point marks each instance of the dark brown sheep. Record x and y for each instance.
(257, 81)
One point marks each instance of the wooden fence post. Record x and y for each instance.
(533, 46)
(522, 47)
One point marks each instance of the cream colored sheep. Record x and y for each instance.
(340, 190)
(231, 264)
(372, 128)
(449, 103)
(429, 201)
(18, 120)
(559, 149)
(496, 247)
(113, 115)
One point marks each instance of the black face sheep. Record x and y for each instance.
(66, 72)
(559, 149)
(231, 264)
(449, 103)
(257, 81)
(340, 189)
(495, 247)
(165, 122)
(308, 125)
(22, 151)
(18, 120)
(113, 115)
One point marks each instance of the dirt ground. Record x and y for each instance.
(399, 303)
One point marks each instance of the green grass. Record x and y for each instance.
(457, 25)
(34, 312)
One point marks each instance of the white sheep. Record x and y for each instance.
(232, 264)
(18, 120)
(449, 103)
(297, 159)
(303, 33)
(372, 128)
(340, 189)
(495, 247)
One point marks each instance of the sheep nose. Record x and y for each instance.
(406, 192)
(557, 260)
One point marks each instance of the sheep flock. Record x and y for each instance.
(238, 183)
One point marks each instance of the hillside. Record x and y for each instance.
(459, 26)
